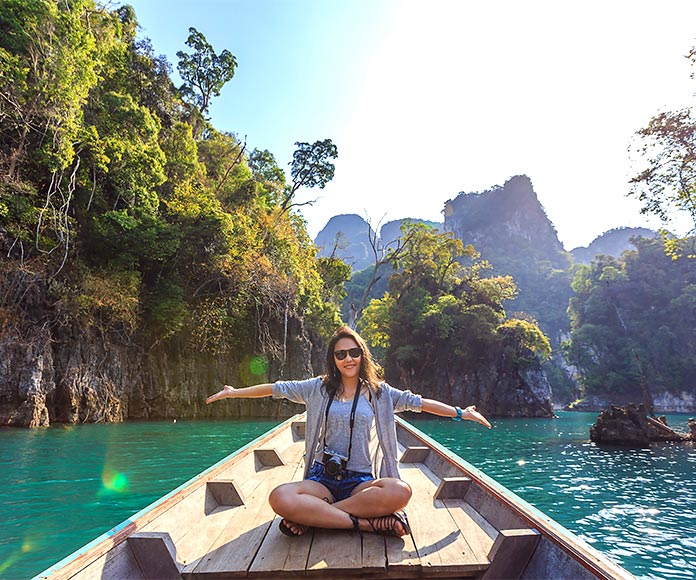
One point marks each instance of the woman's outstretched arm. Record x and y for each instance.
(255, 392)
(443, 410)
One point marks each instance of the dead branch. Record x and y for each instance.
(236, 162)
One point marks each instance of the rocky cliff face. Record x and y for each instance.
(76, 376)
(496, 392)
(508, 223)
(348, 237)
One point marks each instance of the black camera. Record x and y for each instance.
(334, 463)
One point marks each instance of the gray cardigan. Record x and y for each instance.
(389, 401)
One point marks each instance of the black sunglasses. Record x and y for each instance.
(353, 352)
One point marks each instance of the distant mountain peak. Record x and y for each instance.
(348, 235)
(611, 243)
(505, 219)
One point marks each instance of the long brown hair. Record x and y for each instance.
(369, 370)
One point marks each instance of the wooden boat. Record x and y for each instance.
(220, 525)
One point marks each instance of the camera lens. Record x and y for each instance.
(332, 466)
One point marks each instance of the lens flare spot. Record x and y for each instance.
(115, 481)
(28, 545)
(521, 462)
(14, 557)
(258, 365)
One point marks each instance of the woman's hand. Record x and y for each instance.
(226, 393)
(472, 414)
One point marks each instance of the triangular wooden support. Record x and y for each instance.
(415, 454)
(226, 492)
(268, 458)
(453, 488)
(155, 553)
(511, 552)
(299, 429)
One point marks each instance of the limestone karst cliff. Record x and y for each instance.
(78, 376)
(506, 222)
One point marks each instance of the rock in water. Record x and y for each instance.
(630, 426)
(692, 428)
(627, 426)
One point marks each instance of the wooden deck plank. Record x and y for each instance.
(233, 551)
(280, 554)
(478, 533)
(441, 546)
(374, 554)
(335, 552)
(196, 544)
(401, 555)
(177, 519)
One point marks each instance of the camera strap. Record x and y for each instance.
(358, 389)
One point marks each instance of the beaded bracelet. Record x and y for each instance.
(459, 414)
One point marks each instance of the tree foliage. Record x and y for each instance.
(130, 218)
(666, 183)
(442, 316)
(634, 316)
(203, 71)
(311, 167)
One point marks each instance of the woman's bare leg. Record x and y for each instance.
(377, 497)
(303, 503)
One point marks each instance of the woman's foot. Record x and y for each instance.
(291, 528)
(394, 524)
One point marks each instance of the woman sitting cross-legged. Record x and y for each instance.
(345, 408)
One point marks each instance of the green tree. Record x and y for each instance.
(666, 184)
(268, 175)
(49, 61)
(174, 234)
(311, 166)
(203, 71)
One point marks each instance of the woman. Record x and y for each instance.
(339, 489)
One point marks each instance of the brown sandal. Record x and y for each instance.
(386, 525)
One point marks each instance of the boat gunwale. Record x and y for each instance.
(107, 541)
(589, 557)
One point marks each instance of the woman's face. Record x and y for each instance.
(349, 367)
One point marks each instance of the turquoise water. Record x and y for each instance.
(64, 486)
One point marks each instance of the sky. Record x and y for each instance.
(426, 99)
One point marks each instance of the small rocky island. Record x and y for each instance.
(631, 426)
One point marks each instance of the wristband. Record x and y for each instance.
(459, 414)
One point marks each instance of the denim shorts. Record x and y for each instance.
(340, 488)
